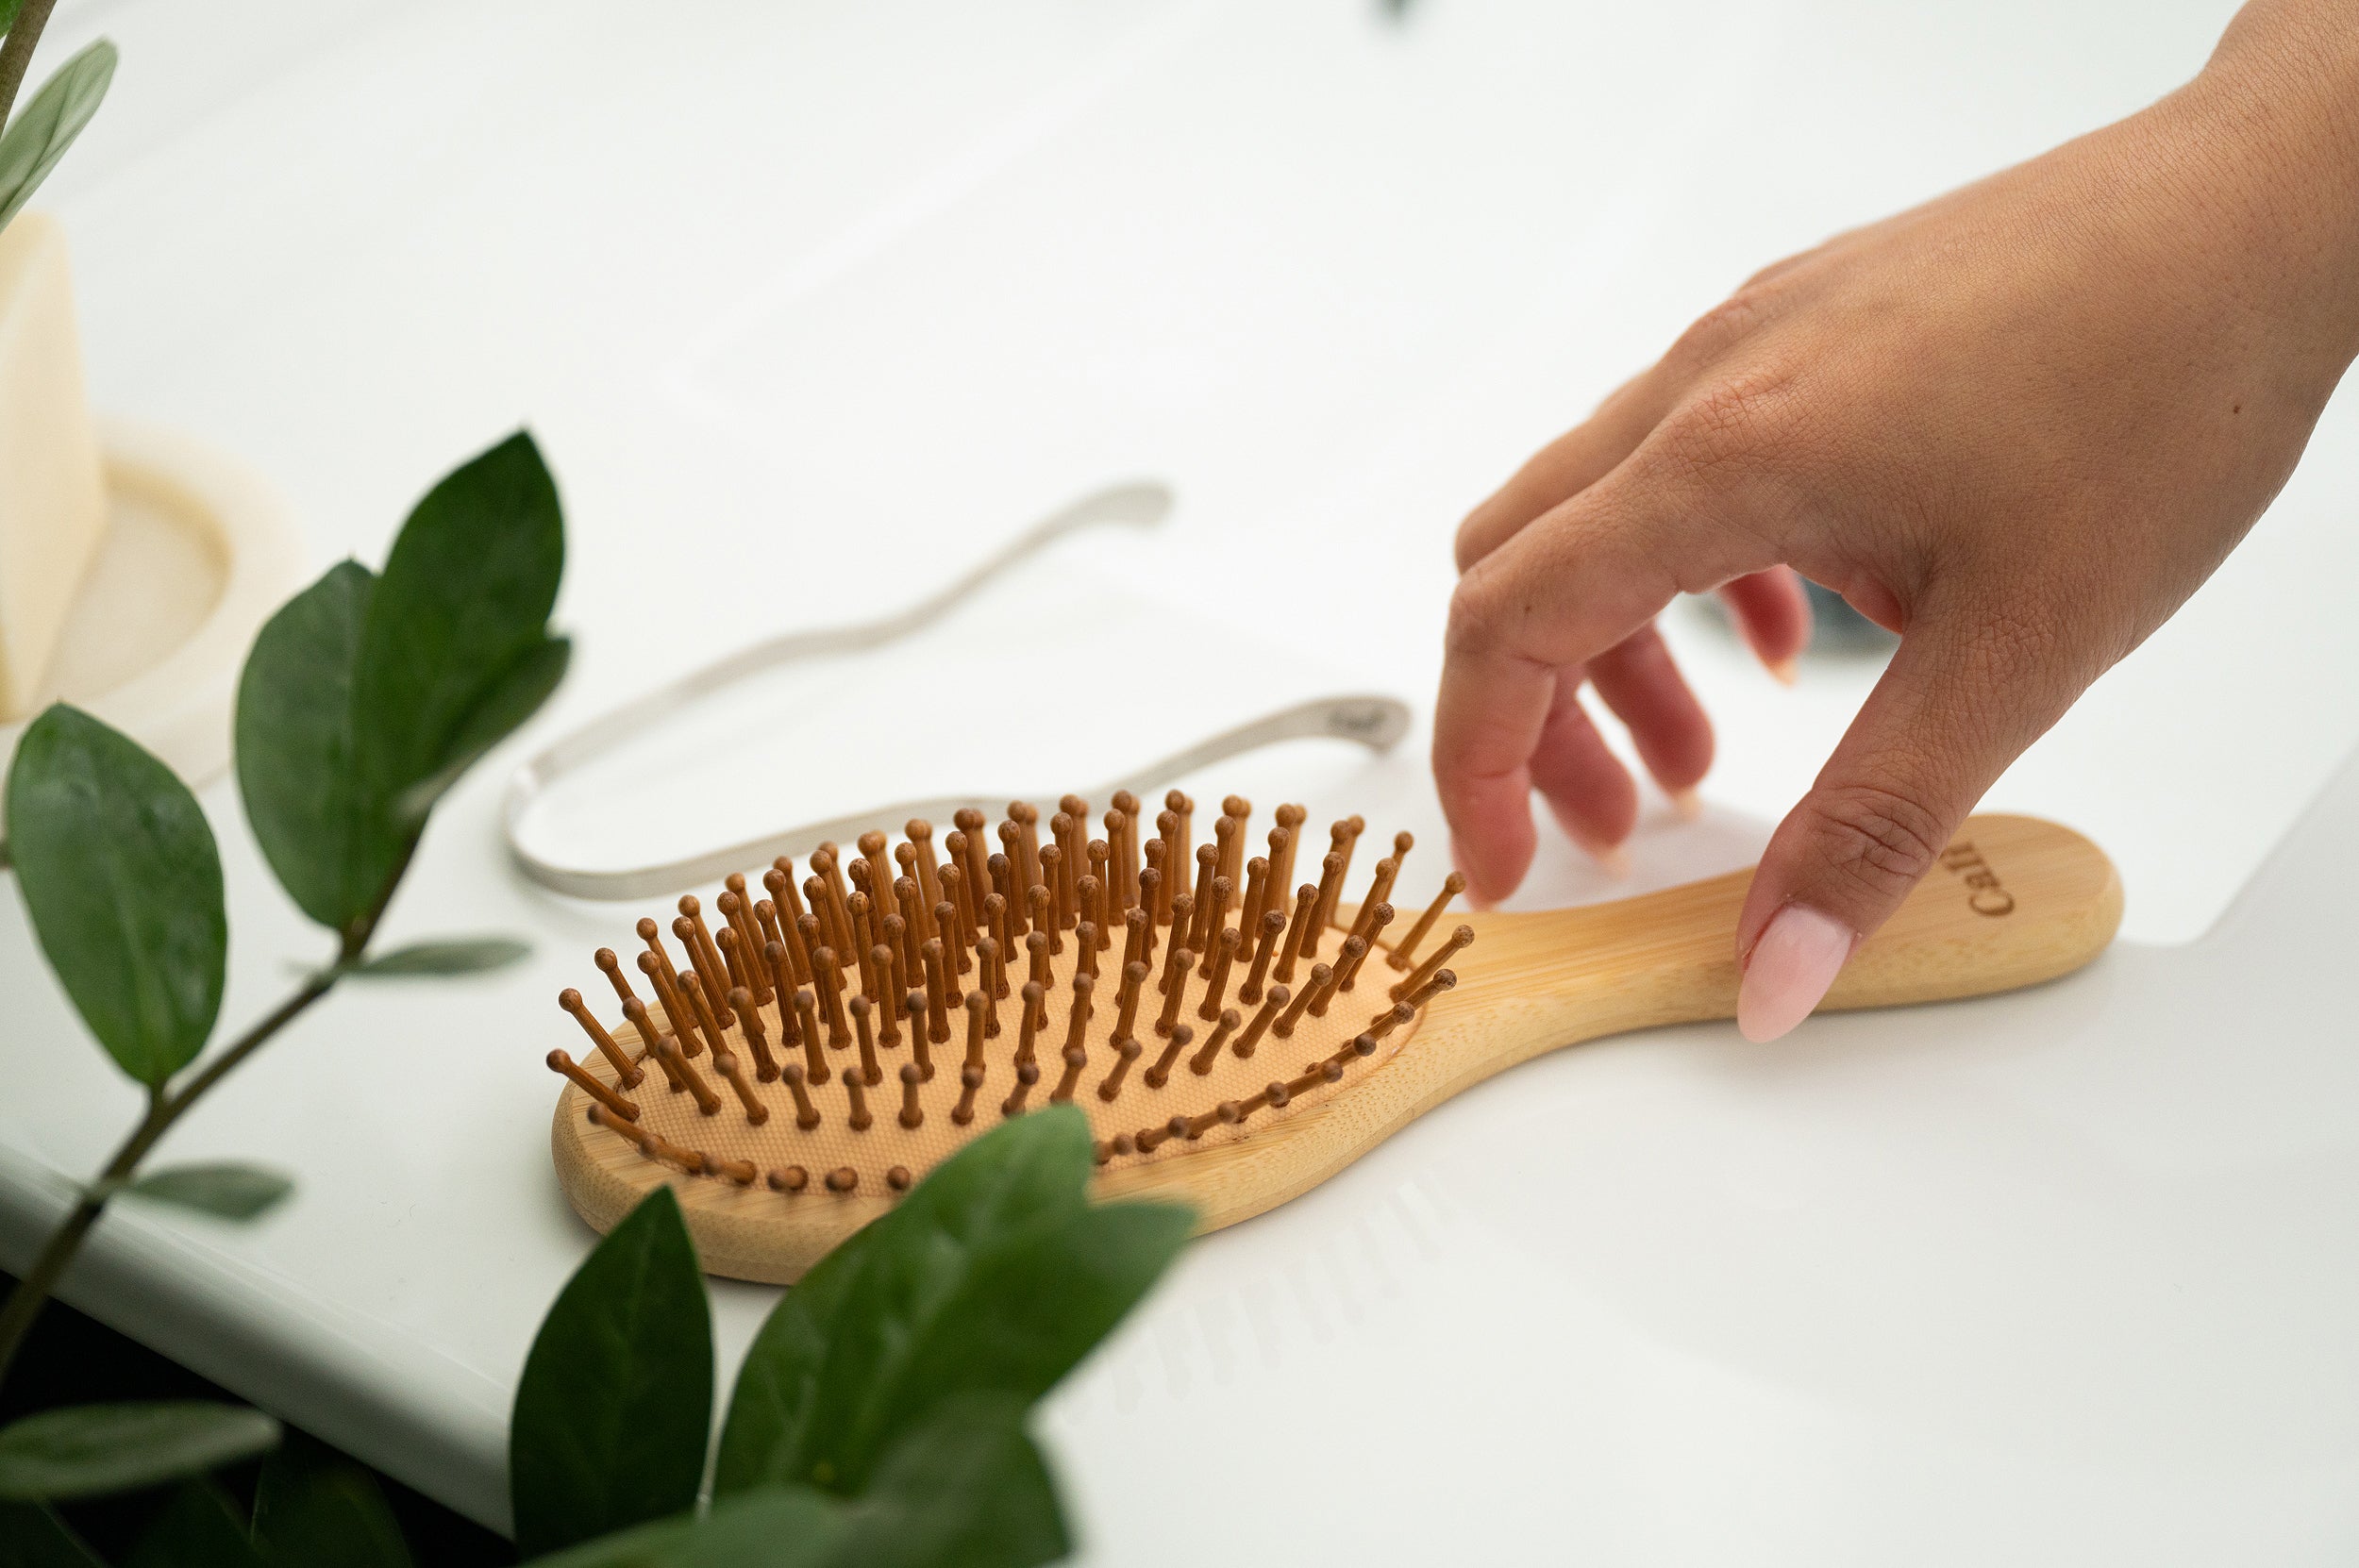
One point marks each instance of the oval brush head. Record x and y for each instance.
(807, 1056)
(792, 1062)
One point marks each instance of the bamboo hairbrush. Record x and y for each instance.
(817, 1050)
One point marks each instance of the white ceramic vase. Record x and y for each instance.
(136, 565)
(53, 498)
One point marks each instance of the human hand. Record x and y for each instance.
(2017, 425)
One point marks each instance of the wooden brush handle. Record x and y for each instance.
(2014, 901)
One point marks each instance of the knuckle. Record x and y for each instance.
(1473, 542)
(1783, 279)
(1721, 329)
(1475, 614)
(1739, 422)
(1879, 840)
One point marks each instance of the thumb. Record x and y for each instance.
(1959, 702)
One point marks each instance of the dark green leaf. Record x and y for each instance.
(223, 1188)
(44, 128)
(373, 697)
(315, 1510)
(961, 1491)
(456, 651)
(32, 1536)
(7, 14)
(448, 956)
(778, 1528)
(91, 1450)
(294, 750)
(615, 1406)
(197, 1529)
(517, 696)
(118, 868)
(994, 1275)
(966, 1489)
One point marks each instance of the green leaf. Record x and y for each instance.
(456, 651)
(994, 1275)
(32, 1536)
(224, 1188)
(966, 1488)
(7, 14)
(44, 128)
(197, 1529)
(375, 695)
(778, 1528)
(614, 1409)
(118, 871)
(295, 741)
(92, 1450)
(447, 956)
(516, 697)
(313, 1509)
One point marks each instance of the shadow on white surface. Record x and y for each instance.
(2060, 1274)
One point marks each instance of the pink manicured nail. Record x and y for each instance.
(1784, 670)
(1793, 964)
(1686, 804)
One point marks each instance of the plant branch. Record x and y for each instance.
(164, 1109)
(41, 1280)
(16, 53)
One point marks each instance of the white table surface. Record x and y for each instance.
(808, 304)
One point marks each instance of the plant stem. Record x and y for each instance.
(16, 54)
(246, 1046)
(24, 1303)
(33, 1291)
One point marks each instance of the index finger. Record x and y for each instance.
(1566, 466)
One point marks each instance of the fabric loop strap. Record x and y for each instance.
(1373, 720)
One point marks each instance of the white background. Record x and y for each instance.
(811, 304)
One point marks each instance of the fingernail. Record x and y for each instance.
(1792, 965)
(1784, 670)
(1686, 804)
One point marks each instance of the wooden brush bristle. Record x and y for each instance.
(796, 1033)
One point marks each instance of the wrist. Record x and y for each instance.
(2265, 142)
(2306, 46)
(2286, 77)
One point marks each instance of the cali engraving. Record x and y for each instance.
(1986, 897)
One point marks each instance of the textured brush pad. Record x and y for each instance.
(774, 1072)
(1137, 1107)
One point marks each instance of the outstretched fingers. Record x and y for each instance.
(1552, 598)
(1588, 791)
(1772, 613)
(1640, 682)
